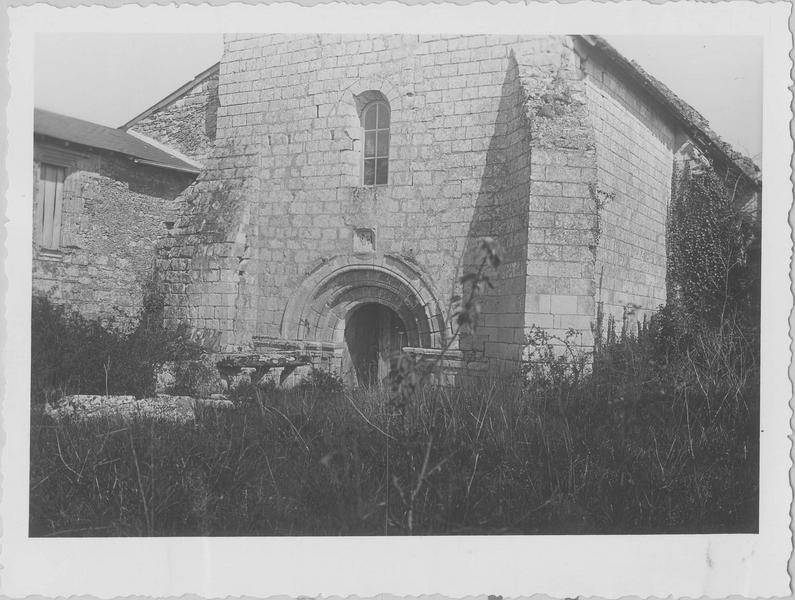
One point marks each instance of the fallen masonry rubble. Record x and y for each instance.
(181, 409)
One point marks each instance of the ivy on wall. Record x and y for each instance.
(713, 246)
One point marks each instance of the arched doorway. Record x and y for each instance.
(374, 336)
(372, 306)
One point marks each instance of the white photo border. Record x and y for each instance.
(559, 566)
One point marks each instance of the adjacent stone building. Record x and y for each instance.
(347, 180)
(102, 199)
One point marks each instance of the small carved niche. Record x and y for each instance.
(363, 240)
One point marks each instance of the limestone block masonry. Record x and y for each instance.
(515, 138)
(634, 162)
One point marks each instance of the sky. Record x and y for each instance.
(720, 76)
(109, 78)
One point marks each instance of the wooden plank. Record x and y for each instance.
(38, 224)
(49, 206)
(60, 174)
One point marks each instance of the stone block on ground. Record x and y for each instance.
(180, 409)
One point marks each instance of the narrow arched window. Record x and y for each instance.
(375, 121)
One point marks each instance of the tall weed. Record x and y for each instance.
(671, 448)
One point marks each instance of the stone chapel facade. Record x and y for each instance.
(347, 179)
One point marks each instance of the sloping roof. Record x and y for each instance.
(86, 133)
(696, 126)
(179, 92)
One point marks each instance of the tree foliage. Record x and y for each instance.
(71, 353)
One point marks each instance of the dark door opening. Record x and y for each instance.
(374, 336)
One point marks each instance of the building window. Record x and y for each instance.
(375, 121)
(49, 201)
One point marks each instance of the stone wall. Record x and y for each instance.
(490, 136)
(209, 262)
(561, 243)
(113, 213)
(501, 213)
(635, 143)
(188, 123)
(291, 103)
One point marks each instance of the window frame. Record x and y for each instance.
(379, 129)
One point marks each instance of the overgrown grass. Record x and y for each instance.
(647, 442)
(656, 432)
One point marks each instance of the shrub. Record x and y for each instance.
(73, 354)
(323, 381)
(189, 375)
(68, 352)
(552, 360)
(611, 455)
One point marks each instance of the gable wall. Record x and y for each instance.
(188, 124)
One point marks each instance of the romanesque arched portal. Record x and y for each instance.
(357, 305)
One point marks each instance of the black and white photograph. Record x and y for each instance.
(325, 285)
